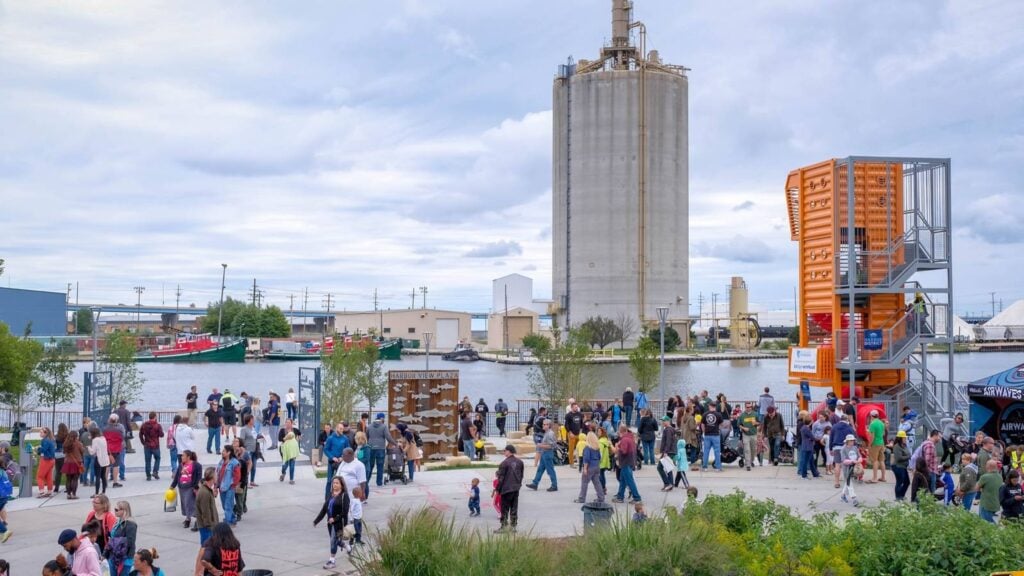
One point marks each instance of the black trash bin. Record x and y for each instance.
(18, 429)
(596, 515)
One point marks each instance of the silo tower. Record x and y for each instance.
(621, 183)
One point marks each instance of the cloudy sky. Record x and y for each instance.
(348, 146)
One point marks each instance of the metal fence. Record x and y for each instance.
(71, 418)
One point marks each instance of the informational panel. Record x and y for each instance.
(427, 402)
(309, 408)
(96, 400)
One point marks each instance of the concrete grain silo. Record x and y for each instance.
(621, 183)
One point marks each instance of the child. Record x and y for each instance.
(355, 514)
(474, 498)
(830, 456)
(639, 516)
(947, 482)
(581, 445)
(495, 497)
(681, 463)
(850, 459)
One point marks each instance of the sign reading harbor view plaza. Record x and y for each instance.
(804, 360)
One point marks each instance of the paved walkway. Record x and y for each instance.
(278, 532)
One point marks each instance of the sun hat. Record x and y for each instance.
(850, 438)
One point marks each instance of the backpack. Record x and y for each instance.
(419, 441)
(6, 488)
(266, 415)
(171, 442)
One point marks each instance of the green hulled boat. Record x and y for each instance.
(196, 348)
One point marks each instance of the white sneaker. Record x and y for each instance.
(329, 564)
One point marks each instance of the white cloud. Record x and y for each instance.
(497, 249)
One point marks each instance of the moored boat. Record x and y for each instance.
(196, 348)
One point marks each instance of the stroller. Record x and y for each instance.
(561, 453)
(395, 466)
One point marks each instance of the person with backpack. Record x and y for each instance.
(222, 553)
(6, 491)
(500, 413)
(273, 418)
(72, 467)
(172, 445)
(120, 548)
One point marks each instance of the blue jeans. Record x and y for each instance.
(288, 466)
(626, 481)
(120, 463)
(968, 500)
(629, 415)
(152, 456)
(89, 473)
(376, 461)
(252, 468)
(3, 527)
(648, 451)
(212, 436)
(412, 468)
(987, 516)
(204, 535)
(469, 447)
(547, 464)
(712, 442)
(902, 481)
(227, 502)
(808, 463)
(174, 458)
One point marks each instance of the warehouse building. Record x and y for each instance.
(447, 327)
(44, 312)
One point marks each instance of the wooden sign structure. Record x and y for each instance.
(427, 402)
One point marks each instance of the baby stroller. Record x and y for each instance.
(561, 453)
(786, 453)
(395, 466)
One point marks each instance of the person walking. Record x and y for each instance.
(989, 486)
(547, 458)
(808, 463)
(150, 434)
(229, 413)
(206, 505)
(172, 444)
(837, 439)
(749, 428)
(84, 558)
(710, 426)
(249, 439)
(87, 458)
(120, 548)
(876, 447)
(191, 405)
(73, 465)
(187, 479)
(626, 455)
(967, 487)
(44, 473)
(291, 404)
(214, 419)
(100, 459)
(647, 429)
(591, 470)
(900, 461)
(628, 399)
(289, 454)
(273, 418)
(334, 447)
(666, 449)
(850, 455)
(775, 432)
(952, 428)
(818, 431)
(352, 471)
(228, 477)
(335, 509)
(58, 455)
(764, 402)
(510, 481)
(379, 438)
(115, 435)
(245, 462)
(500, 413)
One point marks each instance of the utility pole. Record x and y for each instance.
(375, 302)
(177, 304)
(291, 307)
(714, 316)
(423, 289)
(413, 296)
(76, 293)
(700, 309)
(254, 293)
(138, 307)
(504, 322)
(68, 300)
(993, 303)
(220, 310)
(327, 302)
(305, 306)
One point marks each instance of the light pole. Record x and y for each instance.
(662, 317)
(95, 311)
(220, 310)
(426, 340)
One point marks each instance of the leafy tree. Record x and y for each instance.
(643, 363)
(18, 359)
(83, 322)
(672, 340)
(602, 331)
(1, 266)
(52, 382)
(275, 323)
(371, 382)
(247, 323)
(563, 372)
(626, 326)
(794, 335)
(536, 342)
(231, 309)
(119, 359)
(339, 388)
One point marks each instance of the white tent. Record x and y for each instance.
(1007, 325)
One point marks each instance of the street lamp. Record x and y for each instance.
(662, 317)
(220, 311)
(426, 340)
(95, 311)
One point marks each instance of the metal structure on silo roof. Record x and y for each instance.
(620, 183)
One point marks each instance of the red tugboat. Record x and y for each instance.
(196, 348)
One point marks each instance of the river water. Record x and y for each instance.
(166, 384)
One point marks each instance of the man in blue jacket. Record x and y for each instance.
(334, 447)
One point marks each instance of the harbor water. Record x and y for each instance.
(166, 384)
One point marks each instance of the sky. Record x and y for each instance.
(348, 147)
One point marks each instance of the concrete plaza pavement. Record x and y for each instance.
(278, 534)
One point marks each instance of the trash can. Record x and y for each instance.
(18, 429)
(596, 515)
(25, 468)
(257, 573)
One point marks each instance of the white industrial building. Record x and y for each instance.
(620, 183)
(447, 327)
(516, 291)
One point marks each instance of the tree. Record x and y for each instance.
(563, 372)
(643, 363)
(246, 323)
(339, 389)
(231, 309)
(119, 359)
(52, 382)
(371, 383)
(626, 325)
(83, 322)
(1, 266)
(672, 340)
(274, 323)
(18, 359)
(794, 335)
(602, 331)
(536, 343)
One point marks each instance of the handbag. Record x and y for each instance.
(667, 464)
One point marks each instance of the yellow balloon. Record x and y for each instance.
(698, 418)
(171, 495)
